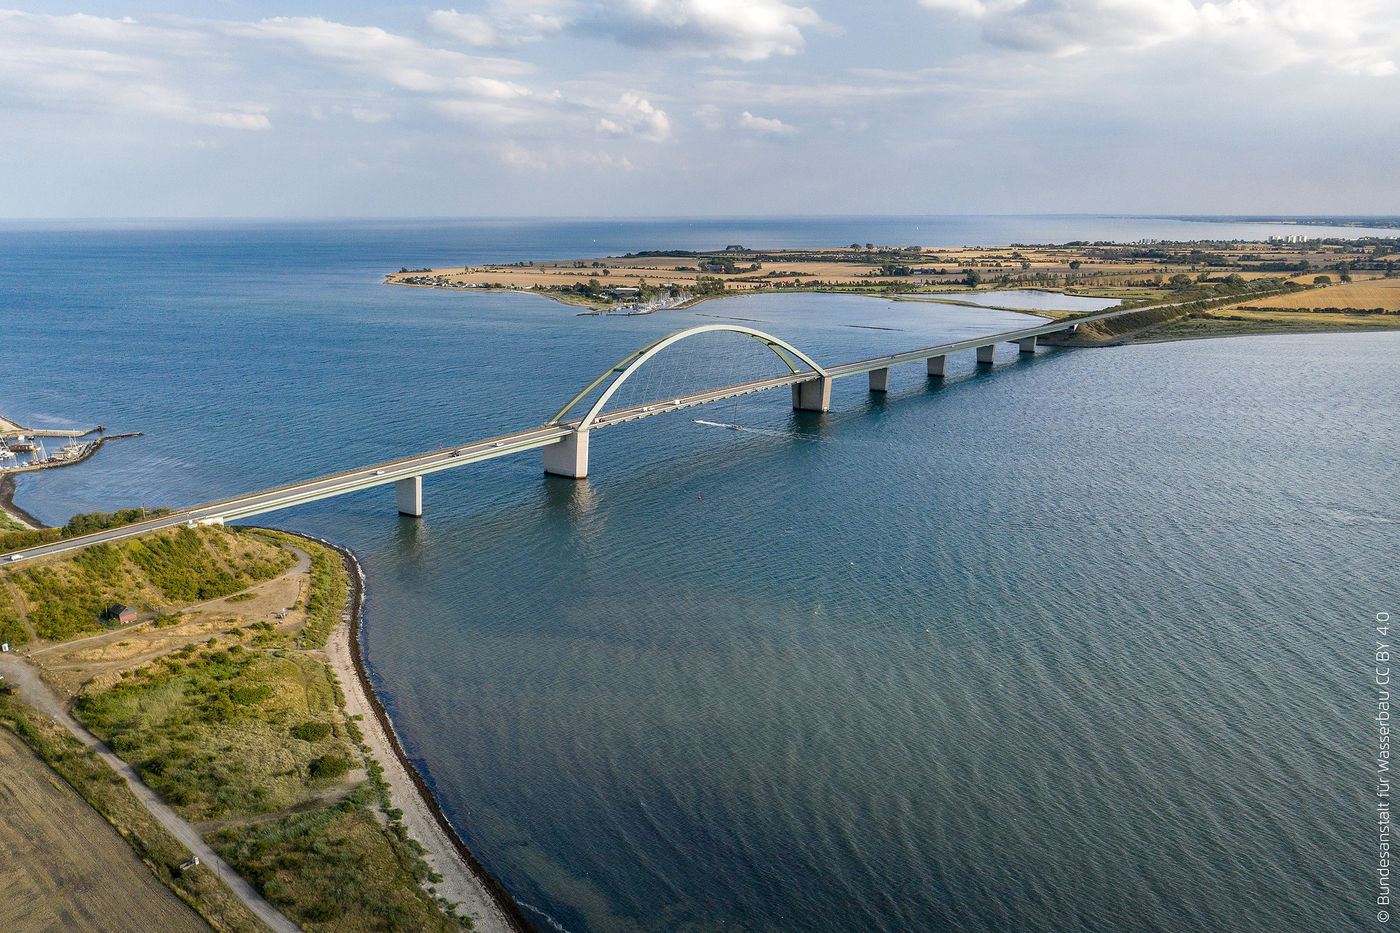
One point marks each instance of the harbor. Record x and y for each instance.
(22, 450)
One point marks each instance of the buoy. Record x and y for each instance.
(697, 495)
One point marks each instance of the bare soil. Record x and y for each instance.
(64, 868)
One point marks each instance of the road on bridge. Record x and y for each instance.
(281, 497)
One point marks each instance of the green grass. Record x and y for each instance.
(337, 869)
(169, 568)
(212, 732)
(254, 736)
(106, 792)
(12, 628)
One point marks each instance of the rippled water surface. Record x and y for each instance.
(1077, 642)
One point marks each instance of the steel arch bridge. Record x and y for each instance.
(564, 444)
(630, 364)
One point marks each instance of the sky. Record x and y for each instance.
(651, 108)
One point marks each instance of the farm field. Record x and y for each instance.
(76, 874)
(1380, 293)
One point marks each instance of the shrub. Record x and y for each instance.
(313, 731)
(328, 766)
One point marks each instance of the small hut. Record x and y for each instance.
(119, 614)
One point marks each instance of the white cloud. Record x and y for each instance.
(748, 30)
(1359, 37)
(472, 28)
(89, 64)
(554, 157)
(506, 24)
(633, 115)
(764, 125)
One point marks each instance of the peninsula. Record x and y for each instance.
(1288, 284)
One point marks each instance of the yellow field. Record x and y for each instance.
(65, 868)
(1380, 293)
(1115, 267)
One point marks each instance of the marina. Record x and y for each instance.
(22, 450)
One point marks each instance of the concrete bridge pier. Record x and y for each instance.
(985, 354)
(410, 494)
(568, 457)
(937, 366)
(813, 395)
(880, 380)
(1027, 345)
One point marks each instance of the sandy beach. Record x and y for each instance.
(464, 881)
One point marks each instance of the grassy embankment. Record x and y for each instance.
(243, 733)
(15, 537)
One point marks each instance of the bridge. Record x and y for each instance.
(564, 439)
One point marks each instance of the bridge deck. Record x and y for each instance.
(281, 497)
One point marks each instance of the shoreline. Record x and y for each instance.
(466, 882)
(7, 504)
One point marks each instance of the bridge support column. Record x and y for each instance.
(410, 494)
(1027, 345)
(568, 457)
(985, 354)
(814, 395)
(937, 365)
(880, 380)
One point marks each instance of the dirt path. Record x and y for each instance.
(35, 693)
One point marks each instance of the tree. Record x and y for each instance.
(1322, 280)
(972, 279)
(1075, 263)
(1181, 280)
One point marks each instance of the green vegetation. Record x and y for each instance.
(109, 795)
(254, 736)
(12, 628)
(86, 523)
(313, 731)
(1197, 299)
(209, 731)
(177, 566)
(329, 587)
(337, 869)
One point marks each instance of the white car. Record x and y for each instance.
(378, 472)
(14, 557)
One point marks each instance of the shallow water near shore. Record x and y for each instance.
(1080, 642)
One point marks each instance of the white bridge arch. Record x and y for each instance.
(626, 367)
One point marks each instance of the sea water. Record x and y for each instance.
(1080, 641)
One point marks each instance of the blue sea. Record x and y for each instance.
(1082, 641)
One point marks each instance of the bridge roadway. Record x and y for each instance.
(407, 473)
